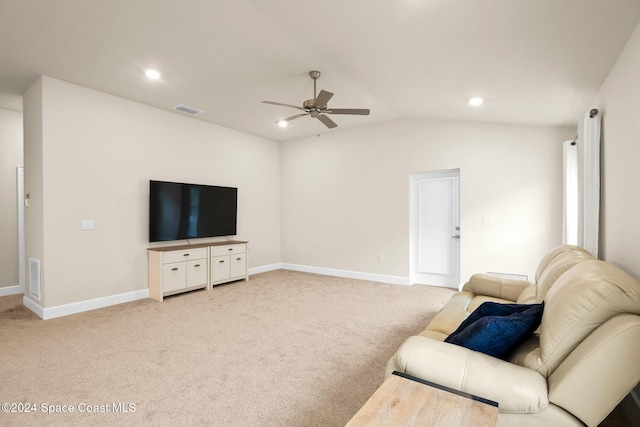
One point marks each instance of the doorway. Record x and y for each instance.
(435, 228)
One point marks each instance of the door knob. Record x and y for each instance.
(457, 236)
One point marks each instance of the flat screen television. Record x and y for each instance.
(180, 211)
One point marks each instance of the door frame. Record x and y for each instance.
(21, 241)
(413, 244)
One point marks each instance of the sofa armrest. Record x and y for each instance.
(517, 389)
(495, 286)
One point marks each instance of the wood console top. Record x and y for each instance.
(195, 245)
(401, 401)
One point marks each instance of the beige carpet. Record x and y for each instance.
(284, 349)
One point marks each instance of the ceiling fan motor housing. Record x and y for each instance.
(309, 103)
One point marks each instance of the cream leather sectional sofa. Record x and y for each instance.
(573, 371)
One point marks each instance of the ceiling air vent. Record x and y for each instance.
(189, 110)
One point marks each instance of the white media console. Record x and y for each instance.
(177, 269)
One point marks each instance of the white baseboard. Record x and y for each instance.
(396, 280)
(10, 290)
(33, 306)
(265, 268)
(79, 307)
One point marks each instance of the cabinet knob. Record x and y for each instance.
(174, 269)
(197, 265)
(186, 254)
(230, 249)
(221, 261)
(238, 259)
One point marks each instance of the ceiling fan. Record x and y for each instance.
(317, 107)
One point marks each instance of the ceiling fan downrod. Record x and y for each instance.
(315, 75)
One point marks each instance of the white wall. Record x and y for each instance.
(346, 195)
(11, 155)
(99, 153)
(620, 206)
(620, 203)
(33, 179)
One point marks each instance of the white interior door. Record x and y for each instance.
(435, 228)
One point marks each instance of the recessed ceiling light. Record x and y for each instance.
(476, 101)
(283, 123)
(152, 74)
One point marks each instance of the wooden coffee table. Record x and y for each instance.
(403, 400)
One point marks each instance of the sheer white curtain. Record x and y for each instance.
(571, 193)
(582, 184)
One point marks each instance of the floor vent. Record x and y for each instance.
(189, 110)
(34, 278)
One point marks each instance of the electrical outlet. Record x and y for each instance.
(380, 258)
(87, 224)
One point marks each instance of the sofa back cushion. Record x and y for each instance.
(556, 263)
(582, 299)
(544, 262)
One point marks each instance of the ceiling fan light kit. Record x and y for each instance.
(317, 107)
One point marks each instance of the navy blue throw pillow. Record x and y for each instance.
(497, 329)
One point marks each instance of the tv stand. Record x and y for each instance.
(177, 269)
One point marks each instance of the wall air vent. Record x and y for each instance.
(34, 278)
(189, 110)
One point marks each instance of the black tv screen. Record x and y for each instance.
(180, 211)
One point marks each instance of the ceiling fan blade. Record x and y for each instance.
(322, 99)
(288, 119)
(283, 105)
(327, 121)
(356, 111)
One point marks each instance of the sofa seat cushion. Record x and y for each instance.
(497, 329)
(527, 351)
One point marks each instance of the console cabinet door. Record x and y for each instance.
(238, 265)
(220, 268)
(196, 272)
(174, 276)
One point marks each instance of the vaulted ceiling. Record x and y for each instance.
(534, 62)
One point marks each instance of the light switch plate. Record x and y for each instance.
(487, 221)
(87, 224)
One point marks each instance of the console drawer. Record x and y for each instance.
(229, 249)
(184, 255)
